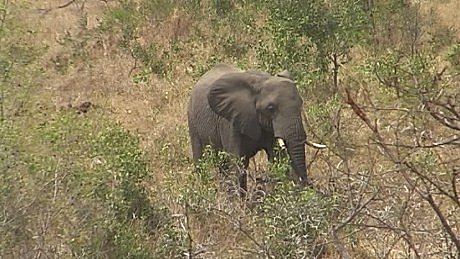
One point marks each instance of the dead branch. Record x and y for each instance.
(238, 224)
(355, 212)
(455, 174)
(47, 10)
(429, 198)
(451, 120)
(339, 246)
(425, 195)
(412, 168)
(66, 4)
(451, 140)
(438, 75)
(362, 115)
(358, 111)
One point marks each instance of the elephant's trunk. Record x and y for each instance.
(294, 135)
(297, 154)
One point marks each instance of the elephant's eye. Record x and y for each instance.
(271, 107)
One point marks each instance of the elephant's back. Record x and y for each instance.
(198, 108)
(203, 121)
(212, 75)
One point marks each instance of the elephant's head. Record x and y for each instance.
(255, 102)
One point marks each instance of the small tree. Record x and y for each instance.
(313, 38)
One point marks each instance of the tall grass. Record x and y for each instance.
(380, 86)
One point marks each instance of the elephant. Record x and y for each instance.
(242, 112)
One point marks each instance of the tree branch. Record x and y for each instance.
(47, 10)
(452, 121)
(429, 198)
(452, 140)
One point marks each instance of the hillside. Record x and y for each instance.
(95, 156)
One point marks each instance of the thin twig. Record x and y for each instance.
(452, 122)
(452, 140)
(356, 211)
(47, 10)
(225, 215)
(455, 173)
(424, 195)
(429, 198)
(411, 167)
(66, 4)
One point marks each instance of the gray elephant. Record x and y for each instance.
(242, 112)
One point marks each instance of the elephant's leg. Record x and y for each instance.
(197, 146)
(232, 143)
(197, 149)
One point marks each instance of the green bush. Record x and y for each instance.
(453, 56)
(308, 36)
(124, 20)
(289, 222)
(204, 183)
(294, 221)
(152, 59)
(88, 180)
(403, 76)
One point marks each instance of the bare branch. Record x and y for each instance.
(429, 198)
(47, 10)
(411, 167)
(438, 75)
(237, 223)
(455, 174)
(452, 121)
(451, 140)
(339, 246)
(66, 4)
(355, 212)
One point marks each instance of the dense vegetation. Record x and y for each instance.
(94, 151)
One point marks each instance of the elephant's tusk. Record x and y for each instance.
(315, 145)
(281, 143)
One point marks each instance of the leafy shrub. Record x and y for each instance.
(294, 220)
(453, 56)
(97, 200)
(215, 170)
(152, 59)
(288, 222)
(308, 36)
(406, 77)
(280, 166)
(124, 19)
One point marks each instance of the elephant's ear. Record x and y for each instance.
(233, 98)
(285, 74)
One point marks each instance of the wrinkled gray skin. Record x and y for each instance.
(242, 112)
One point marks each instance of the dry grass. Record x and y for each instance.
(155, 110)
(152, 109)
(448, 12)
